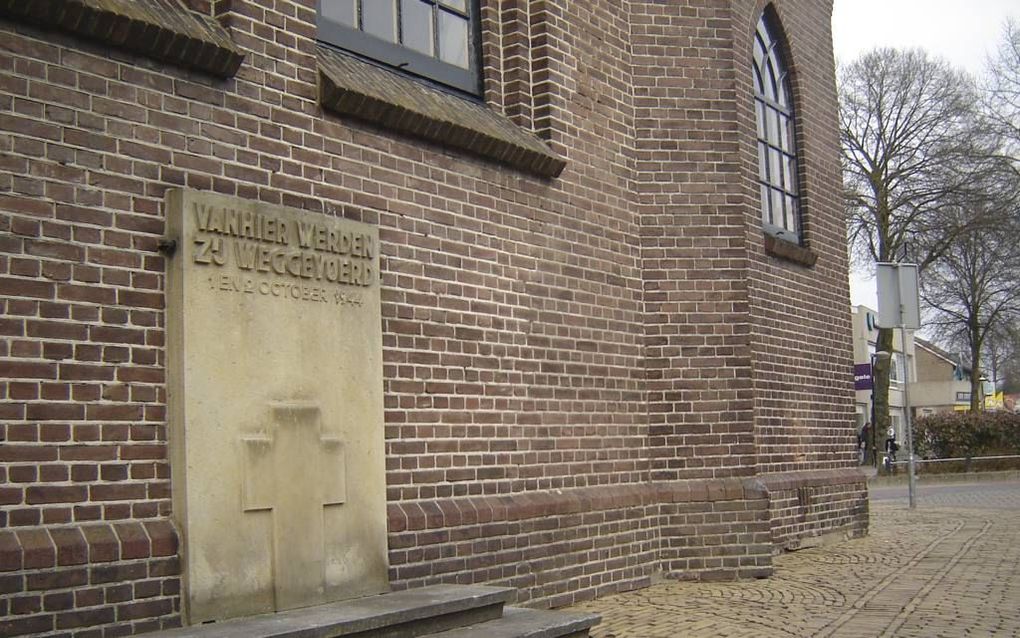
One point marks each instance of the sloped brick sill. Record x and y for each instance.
(161, 29)
(50, 547)
(355, 88)
(789, 251)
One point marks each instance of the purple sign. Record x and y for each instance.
(862, 376)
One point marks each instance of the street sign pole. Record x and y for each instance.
(899, 305)
(911, 468)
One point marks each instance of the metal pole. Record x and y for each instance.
(911, 480)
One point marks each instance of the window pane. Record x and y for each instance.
(453, 39)
(759, 52)
(379, 18)
(791, 213)
(343, 11)
(416, 23)
(775, 174)
(777, 208)
(765, 204)
(760, 108)
(770, 80)
(773, 137)
(763, 162)
(784, 140)
(790, 173)
(759, 87)
(781, 87)
(460, 5)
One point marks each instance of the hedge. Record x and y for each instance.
(967, 434)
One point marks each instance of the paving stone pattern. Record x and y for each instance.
(936, 571)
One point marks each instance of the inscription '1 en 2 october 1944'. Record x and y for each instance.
(252, 247)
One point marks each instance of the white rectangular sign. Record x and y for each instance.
(898, 303)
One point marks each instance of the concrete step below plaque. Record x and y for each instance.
(404, 614)
(528, 623)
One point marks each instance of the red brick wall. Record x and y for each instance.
(820, 503)
(512, 326)
(690, 186)
(801, 337)
(587, 358)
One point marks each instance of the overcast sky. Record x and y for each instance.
(964, 32)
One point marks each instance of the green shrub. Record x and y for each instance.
(965, 434)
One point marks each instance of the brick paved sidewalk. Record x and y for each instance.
(930, 572)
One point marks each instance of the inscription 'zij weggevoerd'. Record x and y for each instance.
(257, 249)
(266, 243)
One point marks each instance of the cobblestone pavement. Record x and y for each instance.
(949, 568)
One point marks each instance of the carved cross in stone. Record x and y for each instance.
(295, 470)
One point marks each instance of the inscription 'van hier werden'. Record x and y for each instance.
(303, 249)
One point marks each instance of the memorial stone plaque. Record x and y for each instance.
(274, 356)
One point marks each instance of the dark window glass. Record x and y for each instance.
(777, 153)
(433, 39)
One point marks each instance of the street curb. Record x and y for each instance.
(962, 477)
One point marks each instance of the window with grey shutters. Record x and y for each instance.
(432, 39)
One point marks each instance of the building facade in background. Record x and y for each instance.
(943, 382)
(613, 277)
(902, 361)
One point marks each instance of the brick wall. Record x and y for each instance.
(821, 503)
(580, 373)
(689, 183)
(565, 546)
(120, 576)
(801, 336)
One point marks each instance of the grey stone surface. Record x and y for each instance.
(528, 623)
(385, 615)
(948, 568)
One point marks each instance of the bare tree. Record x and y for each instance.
(972, 292)
(1002, 92)
(1002, 347)
(913, 151)
(1006, 346)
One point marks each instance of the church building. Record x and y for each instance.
(302, 301)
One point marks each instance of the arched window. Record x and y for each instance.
(777, 152)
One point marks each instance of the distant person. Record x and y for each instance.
(863, 438)
(891, 448)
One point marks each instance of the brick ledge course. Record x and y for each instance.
(420, 515)
(790, 251)
(161, 29)
(358, 89)
(42, 547)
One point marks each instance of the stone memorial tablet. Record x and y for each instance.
(275, 406)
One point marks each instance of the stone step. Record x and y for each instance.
(403, 614)
(528, 623)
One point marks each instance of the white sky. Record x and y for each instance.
(964, 32)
